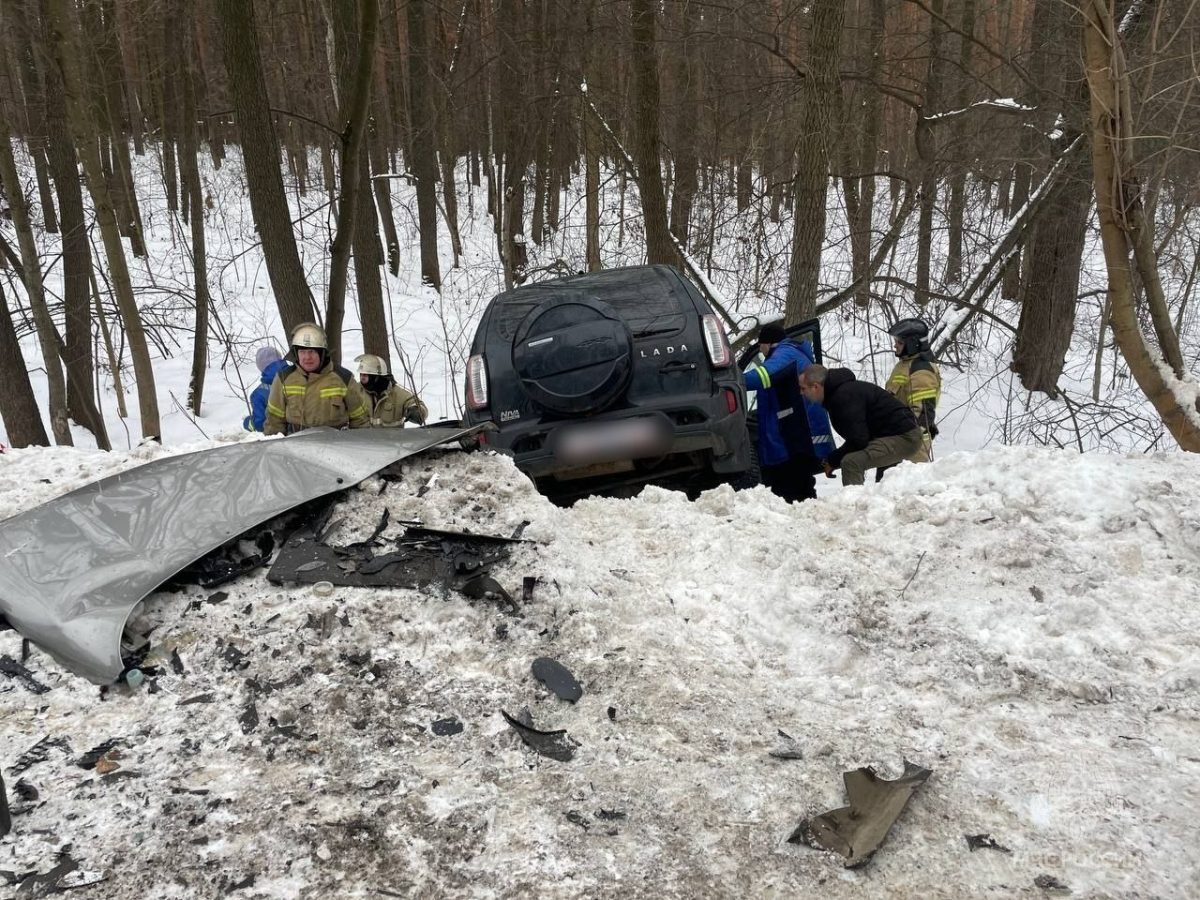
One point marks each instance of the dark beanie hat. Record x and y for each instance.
(771, 333)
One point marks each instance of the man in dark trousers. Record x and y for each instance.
(878, 429)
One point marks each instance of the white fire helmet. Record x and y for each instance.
(310, 336)
(370, 364)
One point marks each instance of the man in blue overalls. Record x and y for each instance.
(793, 434)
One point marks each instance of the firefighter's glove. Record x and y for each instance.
(825, 464)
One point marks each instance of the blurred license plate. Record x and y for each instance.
(626, 438)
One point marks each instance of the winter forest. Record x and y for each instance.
(1022, 172)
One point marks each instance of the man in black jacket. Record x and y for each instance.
(878, 429)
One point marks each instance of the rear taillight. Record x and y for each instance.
(717, 343)
(477, 383)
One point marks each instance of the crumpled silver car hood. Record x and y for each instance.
(73, 569)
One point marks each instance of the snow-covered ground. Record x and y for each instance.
(1021, 621)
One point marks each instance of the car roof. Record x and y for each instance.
(645, 280)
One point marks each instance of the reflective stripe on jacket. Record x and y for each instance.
(331, 397)
(917, 383)
(780, 437)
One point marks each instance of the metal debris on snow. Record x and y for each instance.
(856, 831)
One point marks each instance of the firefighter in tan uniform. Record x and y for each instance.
(916, 381)
(314, 392)
(390, 405)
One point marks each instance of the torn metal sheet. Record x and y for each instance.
(856, 831)
(73, 569)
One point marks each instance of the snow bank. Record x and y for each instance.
(1021, 621)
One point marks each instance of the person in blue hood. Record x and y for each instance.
(793, 434)
(270, 364)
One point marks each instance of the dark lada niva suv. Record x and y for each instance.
(605, 382)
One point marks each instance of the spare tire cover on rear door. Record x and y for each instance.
(573, 355)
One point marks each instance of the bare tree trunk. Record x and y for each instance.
(34, 107)
(41, 171)
(354, 95)
(383, 196)
(859, 190)
(47, 334)
(958, 182)
(424, 141)
(77, 353)
(592, 191)
(190, 170)
(591, 152)
(927, 149)
(1022, 174)
(1048, 309)
(812, 175)
(114, 361)
(687, 113)
(66, 49)
(450, 186)
(1116, 187)
(260, 152)
(18, 408)
(659, 246)
(100, 19)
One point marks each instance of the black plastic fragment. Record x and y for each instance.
(89, 759)
(527, 585)
(39, 752)
(235, 658)
(610, 815)
(9, 666)
(557, 678)
(5, 816)
(176, 662)
(787, 747)
(249, 717)
(1050, 883)
(612, 714)
(421, 557)
(485, 587)
(984, 842)
(226, 563)
(379, 529)
(34, 885)
(197, 698)
(579, 819)
(447, 726)
(246, 882)
(551, 744)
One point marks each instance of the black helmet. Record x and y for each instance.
(915, 335)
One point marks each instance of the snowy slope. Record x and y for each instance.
(1021, 621)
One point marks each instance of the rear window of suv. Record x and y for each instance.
(654, 312)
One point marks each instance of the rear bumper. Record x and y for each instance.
(701, 433)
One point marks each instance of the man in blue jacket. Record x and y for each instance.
(793, 435)
(269, 364)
